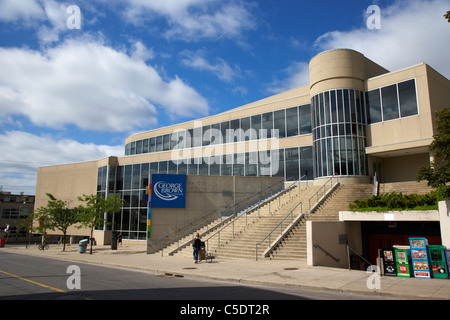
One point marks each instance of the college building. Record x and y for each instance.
(355, 120)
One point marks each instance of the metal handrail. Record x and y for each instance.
(324, 188)
(205, 222)
(348, 257)
(291, 213)
(326, 252)
(245, 213)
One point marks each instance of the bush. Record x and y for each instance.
(397, 201)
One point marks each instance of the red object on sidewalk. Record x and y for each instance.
(2, 242)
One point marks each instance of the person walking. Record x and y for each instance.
(196, 246)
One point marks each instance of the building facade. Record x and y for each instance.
(14, 211)
(353, 120)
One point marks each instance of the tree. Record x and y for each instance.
(447, 16)
(56, 215)
(92, 214)
(438, 171)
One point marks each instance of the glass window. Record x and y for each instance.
(193, 168)
(251, 163)
(306, 162)
(321, 110)
(346, 105)
(172, 167)
(136, 176)
(267, 124)
(256, 126)
(292, 121)
(203, 168)
(340, 105)
(166, 142)
(196, 138)
(264, 163)
(145, 146)
(182, 166)
(245, 126)
(214, 166)
(326, 97)
(238, 166)
(127, 177)
(277, 162)
(292, 164)
(224, 126)
(163, 167)
(390, 102)
(407, 97)
(216, 136)
(305, 119)
(373, 104)
(128, 149)
(139, 147)
(227, 165)
(152, 144)
(173, 140)
(133, 148)
(159, 143)
(234, 135)
(145, 171)
(279, 123)
(206, 135)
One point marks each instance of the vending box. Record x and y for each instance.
(419, 257)
(403, 263)
(389, 265)
(447, 259)
(438, 264)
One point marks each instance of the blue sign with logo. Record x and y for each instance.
(168, 191)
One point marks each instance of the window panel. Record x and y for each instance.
(390, 102)
(292, 121)
(408, 98)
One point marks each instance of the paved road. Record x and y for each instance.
(34, 278)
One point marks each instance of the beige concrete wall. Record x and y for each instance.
(326, 234)
(67, 182)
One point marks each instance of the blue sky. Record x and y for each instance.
(69, 95)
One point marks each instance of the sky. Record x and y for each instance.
(78, 77)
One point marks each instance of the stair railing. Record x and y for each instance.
(280, 226)
(354, 251)
(245, 213)
(323, 191)
(326, 252)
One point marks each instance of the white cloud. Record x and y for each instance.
(21, 153)
(220, 68)
(193, 19)
(90, 85)
(411, 32)
(297, 75)
(25, 11)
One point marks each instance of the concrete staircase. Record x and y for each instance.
(239, 238)
(293, 246)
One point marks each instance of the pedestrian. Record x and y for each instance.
(196, 245)
(119, 238)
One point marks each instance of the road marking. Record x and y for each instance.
(34, 282)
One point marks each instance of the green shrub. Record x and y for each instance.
(397, 201)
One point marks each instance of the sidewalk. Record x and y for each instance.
(288, 273)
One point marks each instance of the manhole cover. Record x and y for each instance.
(190, 268)
(290, 269)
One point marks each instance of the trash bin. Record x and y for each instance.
(2, 243)
(114, 240)
(82, 245)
